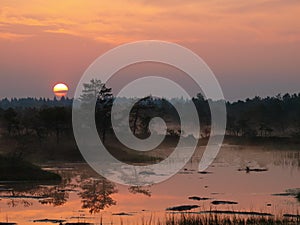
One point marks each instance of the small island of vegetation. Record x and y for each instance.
(15, 169)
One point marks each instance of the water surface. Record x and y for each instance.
(85, 196)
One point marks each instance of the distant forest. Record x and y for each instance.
(41, 129)
(23, 103)
(271, 116)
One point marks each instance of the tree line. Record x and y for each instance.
(269, 116)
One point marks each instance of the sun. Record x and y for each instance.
(60, 90)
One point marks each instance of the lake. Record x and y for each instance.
(245, 179)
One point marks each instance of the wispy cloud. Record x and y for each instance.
(262, 21)
(13, 36)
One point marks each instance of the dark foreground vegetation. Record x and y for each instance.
(188, 219)
(15, 169)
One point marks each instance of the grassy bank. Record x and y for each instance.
(15, 169)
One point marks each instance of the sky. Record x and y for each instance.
(253, 47)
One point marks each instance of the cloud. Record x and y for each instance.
(13, 36)
(61, 31)
(192, 20)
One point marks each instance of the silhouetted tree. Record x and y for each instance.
(95, 90)
(56, 120)
(11, 121)
(141, 114)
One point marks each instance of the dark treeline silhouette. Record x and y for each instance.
(270, 116)
(6, 103)
(29, 124)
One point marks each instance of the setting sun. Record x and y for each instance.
(60, 90)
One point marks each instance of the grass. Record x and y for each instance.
(213, 219)
(188, 219)
(15, 169)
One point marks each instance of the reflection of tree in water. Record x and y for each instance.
(50, 193)
(139, 190)
(55, 196)
(15, 202)
(17, 195)
(59, 194)
(96, 194)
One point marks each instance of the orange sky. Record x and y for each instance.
(252, 46)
